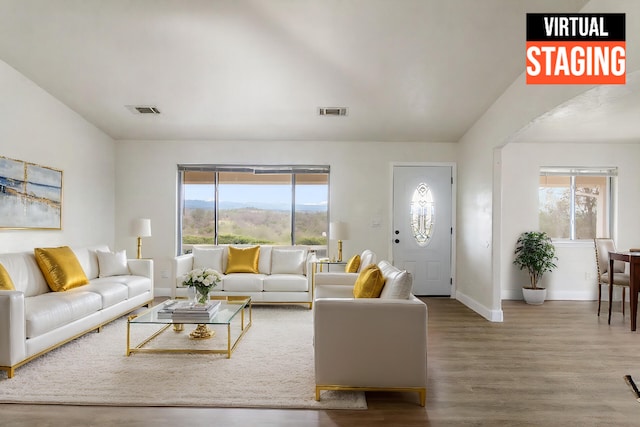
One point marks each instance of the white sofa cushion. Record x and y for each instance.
(208, 258)
(25, 273)
(242, 282)
(136, 285)
(264, 262)
(397, 286)
(111, 293)
(367, 257)
(112, 263)
(398, 283)
(288, 261)
(286, 283)
(46, 312)
(88, 259)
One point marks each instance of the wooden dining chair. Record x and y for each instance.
(603, 247)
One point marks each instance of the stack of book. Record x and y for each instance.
(188, 312)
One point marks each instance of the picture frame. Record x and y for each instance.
(30, 195)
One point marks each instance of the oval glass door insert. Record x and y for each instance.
(422, 213)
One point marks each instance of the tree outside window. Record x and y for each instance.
(575, 206)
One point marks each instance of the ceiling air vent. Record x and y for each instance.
(143, 109)
(332, 111)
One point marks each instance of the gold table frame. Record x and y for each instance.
(244, 303)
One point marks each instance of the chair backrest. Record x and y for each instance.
(603, 247)
(367, 258)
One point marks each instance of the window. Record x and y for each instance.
(575, 203)
(422, 214)
(282, 205)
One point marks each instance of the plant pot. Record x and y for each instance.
(534, 296)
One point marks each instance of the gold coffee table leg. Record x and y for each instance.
(202, 332)
(178, 327)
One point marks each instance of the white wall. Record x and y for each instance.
(480, 199)
(360, 188)
(37, 128)
(575, 276)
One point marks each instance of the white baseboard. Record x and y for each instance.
(588, 295)
(487, 313)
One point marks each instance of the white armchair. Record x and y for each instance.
(370, 343)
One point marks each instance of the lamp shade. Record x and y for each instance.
(141, 227)
(338, 230)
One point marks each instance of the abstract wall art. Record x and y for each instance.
(30, 195)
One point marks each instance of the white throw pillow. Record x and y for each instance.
(398, 286)
(288, 261)
(112, 263)
(208, 258)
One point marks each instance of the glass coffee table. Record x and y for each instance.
(232, 310)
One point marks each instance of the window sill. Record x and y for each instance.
(564, 243)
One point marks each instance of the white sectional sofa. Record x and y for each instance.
(382, 343)
(283, 274)
(34, 320)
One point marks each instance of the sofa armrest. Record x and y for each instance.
(144, 268)
(369, 342)
(342, 279)
(141, 267)
(13, 328)
(181, 265)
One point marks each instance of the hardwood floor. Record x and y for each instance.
(551, 365)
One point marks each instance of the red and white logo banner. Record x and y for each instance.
(576, 48)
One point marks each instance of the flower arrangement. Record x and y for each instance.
(203, 280)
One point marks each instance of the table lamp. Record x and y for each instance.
(338, 231)
(141, 228)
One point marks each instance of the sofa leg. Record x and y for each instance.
(423, 396)
(9, 370)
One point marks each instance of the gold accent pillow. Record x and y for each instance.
(61, 268)
(6, 284)
(243, 260)
(353, 265)
(369, 283)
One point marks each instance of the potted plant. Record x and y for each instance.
(535, 253)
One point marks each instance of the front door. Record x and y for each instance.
(422, 226)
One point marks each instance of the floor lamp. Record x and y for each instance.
(338, 231)
(141, 228)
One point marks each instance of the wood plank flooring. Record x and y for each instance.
(551, 365)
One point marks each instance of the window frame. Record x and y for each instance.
(294, 170)
(611, 173)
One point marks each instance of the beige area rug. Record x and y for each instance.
(272, 367)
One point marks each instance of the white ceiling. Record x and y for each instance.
(604, 114)
(408, 70)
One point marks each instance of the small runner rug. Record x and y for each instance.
(272, 367)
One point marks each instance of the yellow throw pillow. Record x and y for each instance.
(6, 284)
(243, 260)
(61, 268)
(369, 283)
(353, 265)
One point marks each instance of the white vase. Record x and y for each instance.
(534, 296)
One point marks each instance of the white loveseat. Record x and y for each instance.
(283, 273)
(34, 320)
(369, 343)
